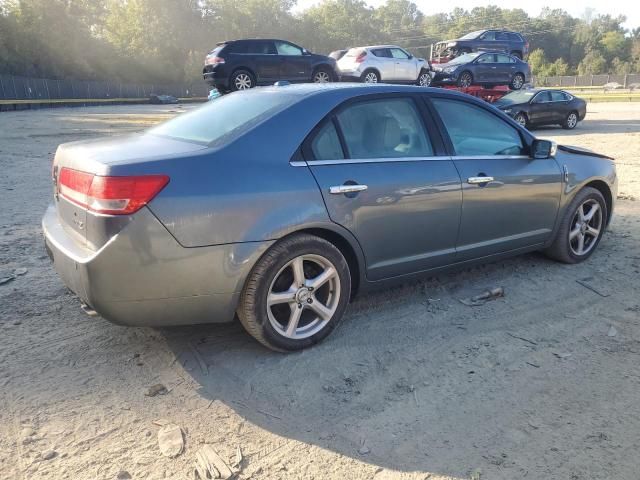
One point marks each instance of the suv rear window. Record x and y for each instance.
(218, 123)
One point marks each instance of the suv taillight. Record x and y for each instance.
(213, 60)
(109, 195)
(360, 58)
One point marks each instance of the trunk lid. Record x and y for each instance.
(105, 157)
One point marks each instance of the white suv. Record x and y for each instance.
(384, 63)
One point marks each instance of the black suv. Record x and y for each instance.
(484, 40)
(242, 64)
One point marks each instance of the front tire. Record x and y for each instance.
(517, 82)
(581, 227)
(522, 119)
(296, 293)
(571, 121)
(465, 80)
(424, 79)
(370, 76)
(322, 75)
(241, 80)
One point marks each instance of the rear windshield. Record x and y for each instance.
(224, 119)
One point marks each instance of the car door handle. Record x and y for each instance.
(479, 180)
(494, 67)
(340, 189)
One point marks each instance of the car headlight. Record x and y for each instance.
(449, 69)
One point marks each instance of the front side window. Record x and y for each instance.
(398, 53)
(477, 132)
(285, 48)
(488, 58)
(326, 144)
(542, 97)
(260, 47)
(386, 128)
(490, 36)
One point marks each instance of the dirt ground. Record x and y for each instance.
(542, 384)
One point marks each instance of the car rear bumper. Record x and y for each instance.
(143, 277)
(215, 76)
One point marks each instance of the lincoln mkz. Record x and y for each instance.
(276, 205)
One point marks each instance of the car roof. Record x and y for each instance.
(380, 46)
(226, 42)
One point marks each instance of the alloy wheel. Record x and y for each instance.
(517, 82)
(572, 120)
(242, 81)
(465, 80)
(303, 296)
(371, 77)
(321, 77)
(521, 119)
(585, 227)
(425, 79)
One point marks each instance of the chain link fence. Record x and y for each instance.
(630, 80)
(13, 87)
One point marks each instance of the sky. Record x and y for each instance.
(629, 8)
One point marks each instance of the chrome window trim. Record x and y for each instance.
(301, 163)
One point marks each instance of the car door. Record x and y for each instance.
(404, 66)
(501, 42)
(385, 178)
(264, 59)
(486, 41)
(510, 200)
(294, 65)
(484, 68)
(541, 109)
(560, 103)
(383, 61)
(506, 68)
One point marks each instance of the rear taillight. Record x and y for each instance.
(361, 56)
(213, 60)
(109, 195)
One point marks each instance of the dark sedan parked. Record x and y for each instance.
(543, 107)
(280, 203)
(244, 64)
(483, 69)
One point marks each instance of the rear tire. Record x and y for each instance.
(296, 294)
(241, 80)
(571, 121)
(370, 76)
(579, 233)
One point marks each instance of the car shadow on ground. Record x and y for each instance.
(408, 376)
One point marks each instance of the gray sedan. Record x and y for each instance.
(279, 204)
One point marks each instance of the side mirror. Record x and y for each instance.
(541, 148)
(410, 57)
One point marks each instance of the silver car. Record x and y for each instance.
(384, 63)
(279, 203)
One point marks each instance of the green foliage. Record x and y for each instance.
(165, 41)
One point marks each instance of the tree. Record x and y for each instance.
(592, 64)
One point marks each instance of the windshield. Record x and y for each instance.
(472, 35)
(466, 58)
(224, 119)
(521, 96)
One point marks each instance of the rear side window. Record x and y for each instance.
(558, 97)
(487, 58)
(386, 128)
(542, 97)
(501, 36)
(285, 48)
(504, 58)
(259, 47)
(217, 123)
(475, 131)
(326, 144)
(382, 52)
